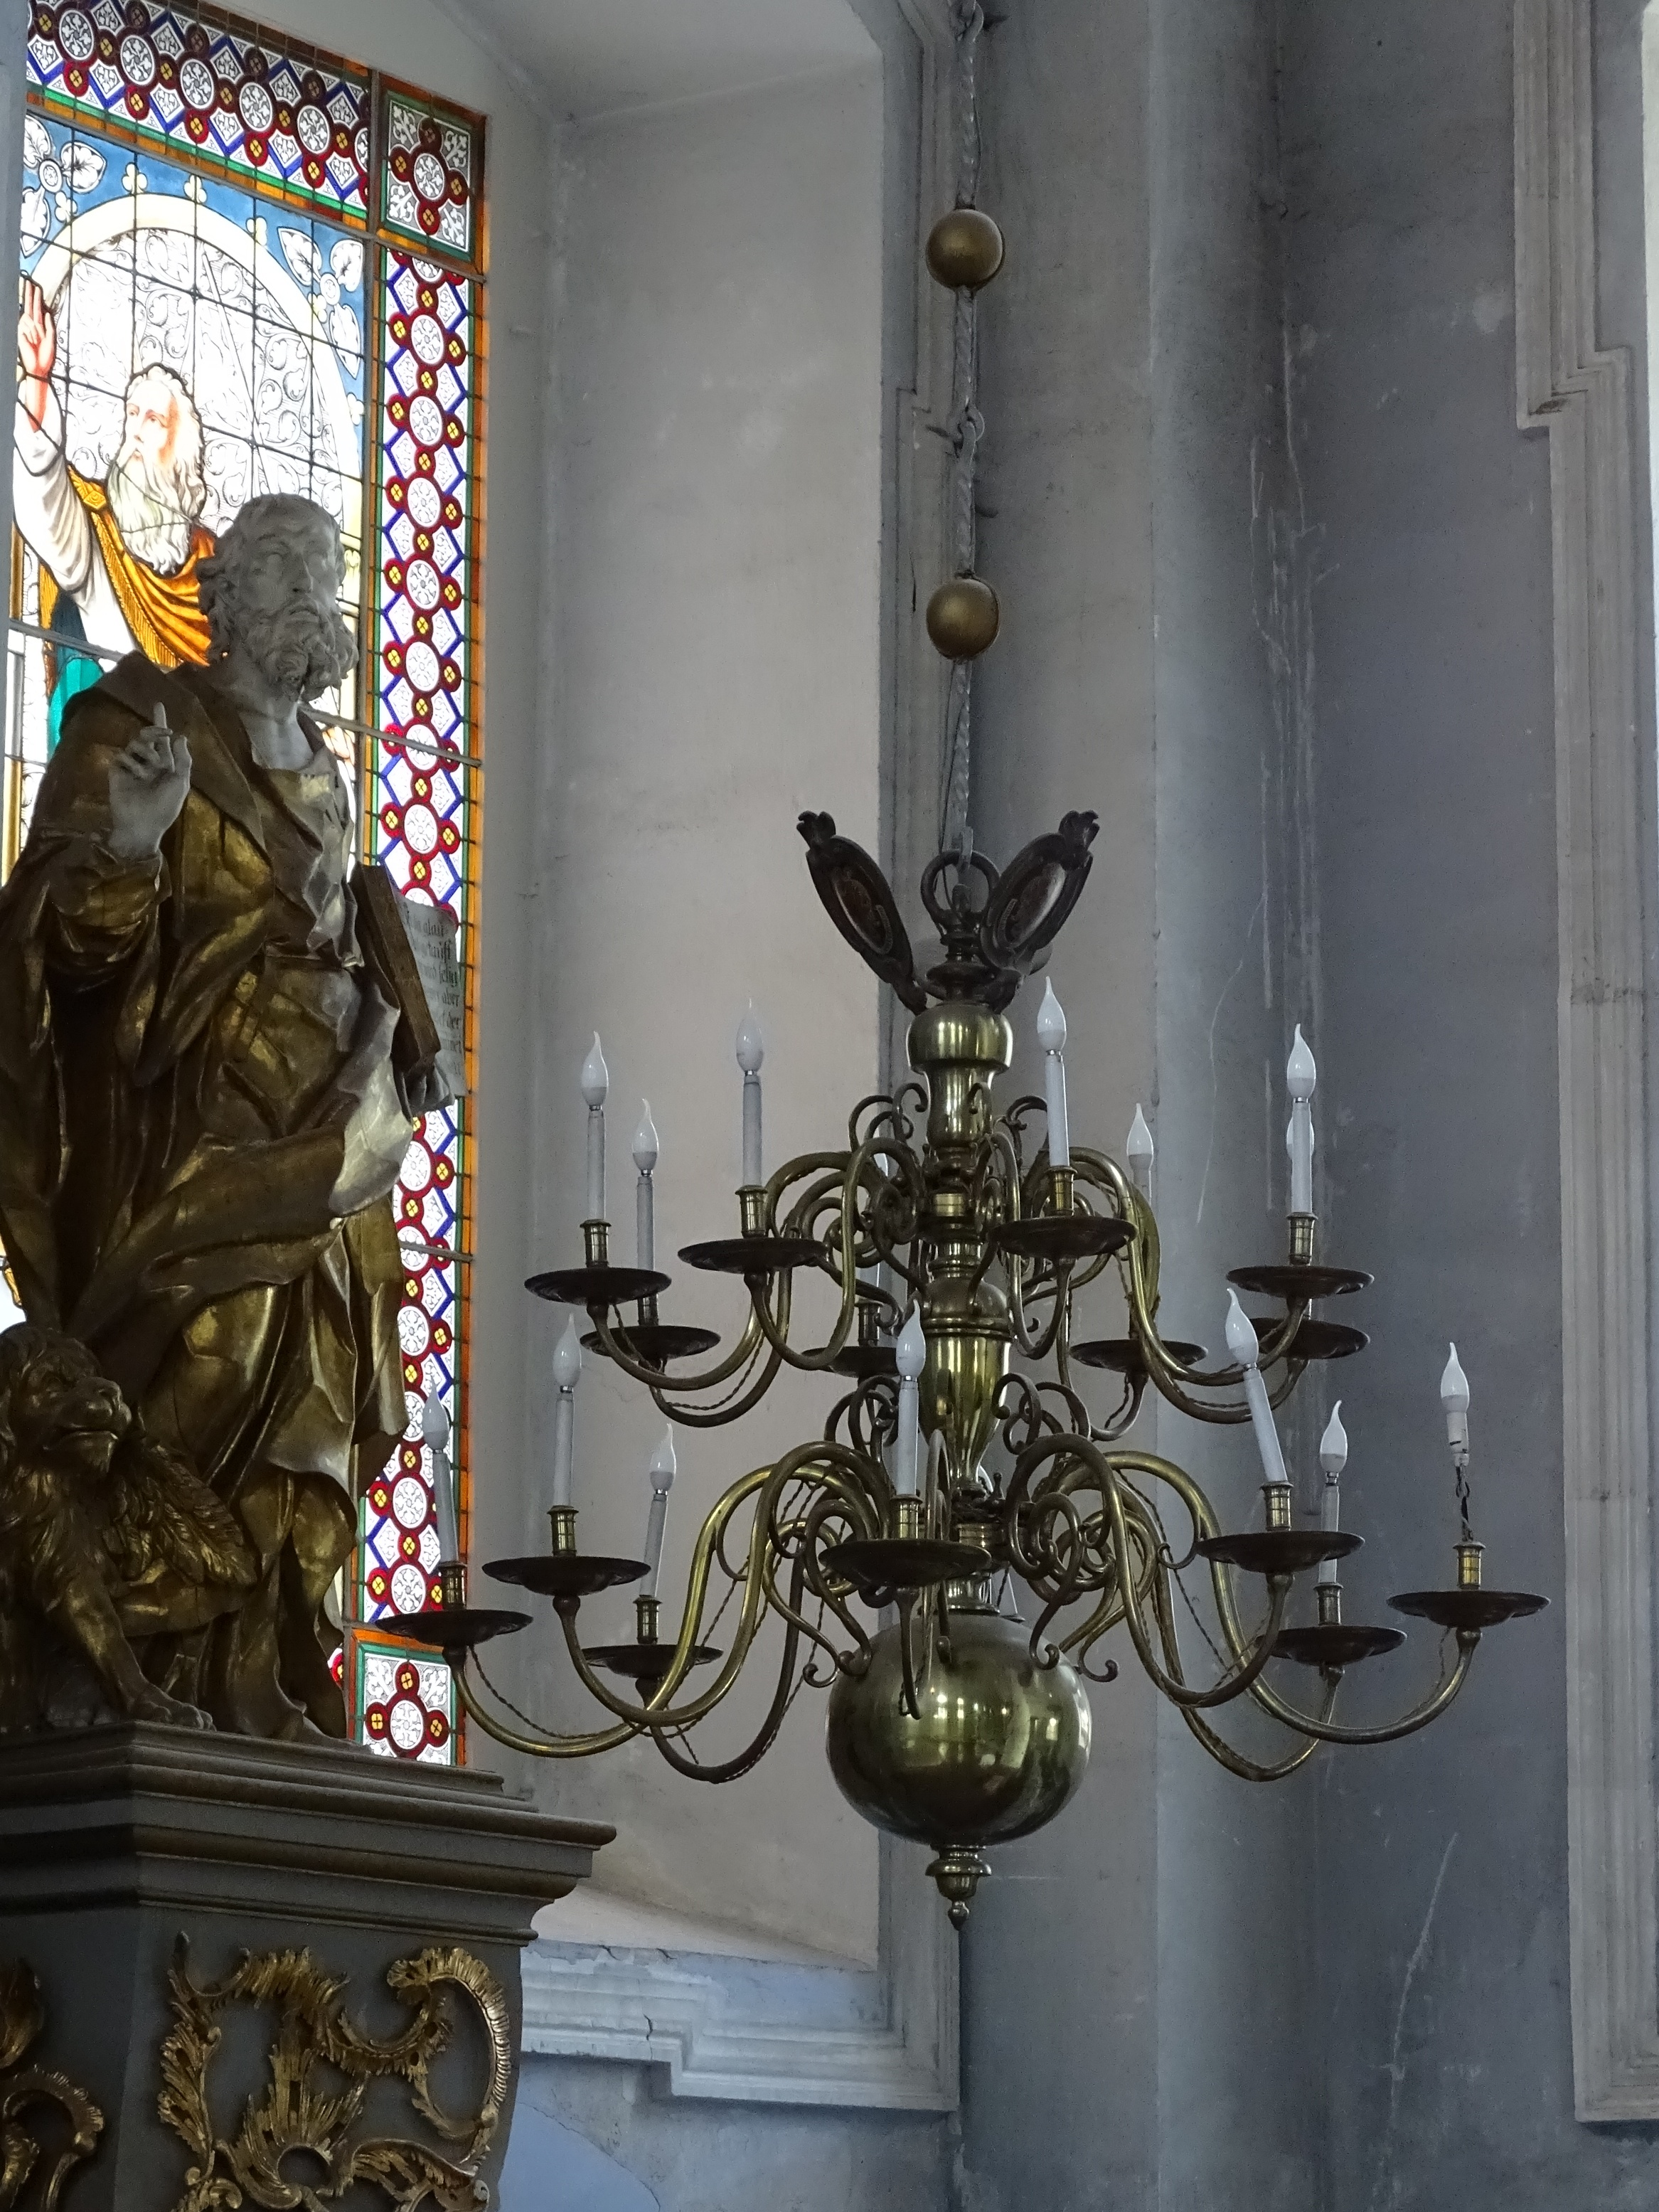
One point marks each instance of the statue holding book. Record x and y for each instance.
(209, 1078)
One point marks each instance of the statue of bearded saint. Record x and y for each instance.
(205, 1098)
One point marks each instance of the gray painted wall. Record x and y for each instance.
(1441, 1895)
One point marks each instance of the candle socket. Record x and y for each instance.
(562, 1522)
(751, 1209)
(1469, 1564)
(907, 1519)
(869, 1321)
(644, 1614)
(1302, 1227)
(451, 1584)
(596, 1238)
(1276, 1499)
(1062, 1190)
(1329, 1595)
(647, 1309)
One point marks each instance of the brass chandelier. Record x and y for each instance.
(891, 1547)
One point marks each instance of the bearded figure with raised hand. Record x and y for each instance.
(205, 1096)
(120, 559)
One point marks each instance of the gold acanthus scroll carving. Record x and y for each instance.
(321, 2066)
(27, 2092)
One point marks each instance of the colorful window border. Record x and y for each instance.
(204, 90)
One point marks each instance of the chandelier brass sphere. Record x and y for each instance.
(963, 617)
(965, 249)
(971, 1740)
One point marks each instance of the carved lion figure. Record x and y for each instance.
(109, 1547)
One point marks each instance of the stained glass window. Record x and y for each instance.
(252, 267)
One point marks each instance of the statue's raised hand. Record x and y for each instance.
(149, 783)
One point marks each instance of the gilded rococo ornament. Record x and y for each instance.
(321, 2068)
(207, 1083)
(31, 2178)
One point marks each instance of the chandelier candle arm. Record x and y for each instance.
(645, 1214)
(664, 1468)
(566, 1373)
(1051, 1035)
(595, 1085)
(751, 1051)
(1300, 1076)
(1332, 1458)
(1242, 1343)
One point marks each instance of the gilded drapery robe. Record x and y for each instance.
(200, 1127)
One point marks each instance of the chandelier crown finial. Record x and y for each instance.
(995, 927)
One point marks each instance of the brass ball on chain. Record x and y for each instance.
(963, 617)
(965, 249)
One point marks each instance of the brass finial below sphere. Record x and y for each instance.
(965, 250)
(963, 617)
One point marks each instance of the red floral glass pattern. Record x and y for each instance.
(417, 824)
(430, 181)
(194, 84)
(405, 1703)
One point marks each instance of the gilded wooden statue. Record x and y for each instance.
(205, 1095)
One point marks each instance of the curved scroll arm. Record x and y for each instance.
(855, 1481)
(1317, 1728)
(1139, 1265)
(1099, 1471)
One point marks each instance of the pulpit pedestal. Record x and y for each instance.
(228, 1967)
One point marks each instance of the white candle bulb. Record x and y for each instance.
(910, 1350)
(1300, 1076)
(435, 1435)
(1140, 1153)
(1245, 1347)
(566, 1372)
(664, 1468)
(1332, 1458)
(596, 1084)
(645, 1139)
(644, 1203)
(596, 1076)
(751, 1051)
(1333, 1444)
(911, 1354)
(1242, 1339)
(1300, 1072)
(1455, 1398)
(1051, 1035)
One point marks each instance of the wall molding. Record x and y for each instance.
(1579, 393)
(883, 2038)
(886, 2037)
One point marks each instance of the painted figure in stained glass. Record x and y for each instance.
(180, 353)
(122, 553)
(205, 1100)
